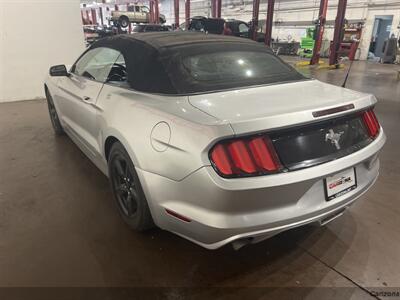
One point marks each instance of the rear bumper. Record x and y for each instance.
(224, 210)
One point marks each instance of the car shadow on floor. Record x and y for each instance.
(162, 259)
(73, 236)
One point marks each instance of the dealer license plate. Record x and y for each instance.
(340, 183)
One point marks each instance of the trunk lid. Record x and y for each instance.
(278, 106)
(308, 145)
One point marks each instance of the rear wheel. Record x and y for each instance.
(128, 193)
(55, 121)
(123, 21)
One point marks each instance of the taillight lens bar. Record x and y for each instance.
(371, 122)
(245, 157)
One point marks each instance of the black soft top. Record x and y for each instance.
(153, 59)
(161, 40)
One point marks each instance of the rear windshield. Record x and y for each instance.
(222, 70)
(235, 66)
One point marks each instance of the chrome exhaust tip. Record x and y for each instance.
(240, 243)
(331, 217)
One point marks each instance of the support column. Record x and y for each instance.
(319, 31)
(101, 15)
(94, 16)
(87, 16)
(269, 22)
(151, 12)
(218, 6)
(187, 13)
(176, 10)
(156, 12)
(338, 33)
(254, 20)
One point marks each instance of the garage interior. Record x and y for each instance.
(61, 236)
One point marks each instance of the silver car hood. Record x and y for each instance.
(278, 106)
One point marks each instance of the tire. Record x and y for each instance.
(55, 121)
(123, 21)
(161, 20)
(127, 190)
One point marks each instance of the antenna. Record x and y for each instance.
(347, 75)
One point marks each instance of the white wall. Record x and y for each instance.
(35, 34)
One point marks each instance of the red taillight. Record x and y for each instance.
(244, 157)
(220, 158)
(241, 157)
(371, 122)
(264, 154)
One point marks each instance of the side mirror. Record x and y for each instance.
(59, 70)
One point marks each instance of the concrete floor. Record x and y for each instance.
(59, 228)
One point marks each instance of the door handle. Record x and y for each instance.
(89, 101)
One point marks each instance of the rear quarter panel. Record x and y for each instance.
(130, 116)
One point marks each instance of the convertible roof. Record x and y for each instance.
(154, 60)
(151, 58)
(159, 40)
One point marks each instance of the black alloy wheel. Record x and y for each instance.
(122, 181)
(128, 193)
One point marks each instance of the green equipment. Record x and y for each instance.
(307, 44)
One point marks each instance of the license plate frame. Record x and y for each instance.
(347, 179)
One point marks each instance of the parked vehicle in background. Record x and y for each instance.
(93, 33)
(242, 29)
(149, 28)
(90, 33)
(209, 25)
(135, 13)
(181, 26)
(216, 25)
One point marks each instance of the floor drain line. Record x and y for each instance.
(341, 274)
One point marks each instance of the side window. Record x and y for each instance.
(79, 67)
(137, 8)
(145, 9)
(131, 8)
(118, 71)
(96, 64)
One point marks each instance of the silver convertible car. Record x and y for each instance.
(213, 137)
